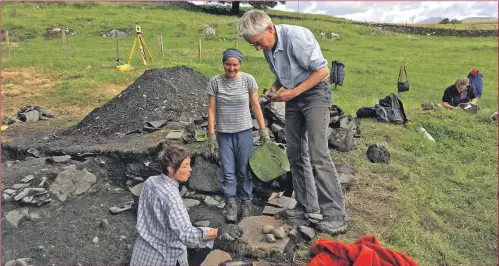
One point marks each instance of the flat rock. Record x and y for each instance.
(216, 257)
(33, 152)
(283, 202)
(15, 216)
(253, 242)
(271, 210)
(72, 181)
(27, 178)
(19, 262)
(190, 202)
(208, 200)
(346, 180)
(345, 170)
(58, 159)
(19, 186)
(307, 231)
(204, 223)
(9, 191)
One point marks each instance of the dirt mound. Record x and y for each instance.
(177, 94)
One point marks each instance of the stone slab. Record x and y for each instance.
(253, 243)
(216, 257)
(271, 210)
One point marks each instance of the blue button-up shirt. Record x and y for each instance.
(296, 55)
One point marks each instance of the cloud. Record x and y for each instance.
(394, 12)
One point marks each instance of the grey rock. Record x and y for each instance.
(283, 202)
(210, 201)
(378, 153)
(58, 159)
(72, 181)
(221, 205)
(127, 206)
(34, 215)
(345, 170)
(104, 224)
(493, 117)
(277, 111)
(279, 233)
(271, 210)
(190, 203)
(267, 229)
(27, 178)
(43, 182)
(183, 191)
(95, 240)
(9, 191)
(33, 152)
(9, 163)
(20, 186)
(27, 199)
(307, 231)
(19, 262)
(270, 238)
(203, 223)
(16, 216)
(293, 232)
(341, 139)
(346, 180)
(6, 197)
(205, 176)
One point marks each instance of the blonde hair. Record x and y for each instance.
(462, 81)
(253, 22)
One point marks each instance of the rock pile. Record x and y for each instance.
(172, 94)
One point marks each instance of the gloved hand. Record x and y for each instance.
(212, 143)
(264, 136)
(229, 232)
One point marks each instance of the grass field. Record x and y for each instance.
(437, 202)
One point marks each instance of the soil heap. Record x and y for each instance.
(175, 94)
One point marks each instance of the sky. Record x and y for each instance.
(393, 11)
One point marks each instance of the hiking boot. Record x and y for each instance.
(246, 209)
(332, 227)
(231, 212)
(299, 213)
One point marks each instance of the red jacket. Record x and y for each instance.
(365, 252)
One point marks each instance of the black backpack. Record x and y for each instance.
(403, 80)
(390, 110)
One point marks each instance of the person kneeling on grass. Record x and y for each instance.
(165, 230)
(459, 94)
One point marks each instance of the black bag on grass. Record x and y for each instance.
(391, 110)
(403, 81)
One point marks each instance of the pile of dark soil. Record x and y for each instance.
(175, 94)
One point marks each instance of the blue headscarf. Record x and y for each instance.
(232, 53)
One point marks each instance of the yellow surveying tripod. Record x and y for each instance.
(142, 45)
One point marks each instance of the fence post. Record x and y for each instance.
(63, 32)
(199, 48)
(117, 45)
(8, 43)
(160, 44)
(235, 45)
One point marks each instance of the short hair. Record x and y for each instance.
(172, 156)
(462, 81)
(253, 22)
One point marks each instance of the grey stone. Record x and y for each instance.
(58, 159)
(378, 153)
(221, 205)
(307, 231)
(493, 117)
(190, 203)
(267, 229)
(204, 223)
(34, 215)
(270, 238)
(16, 216)
(183, 191)
(19, 262)
(283, 202)
(271, 210)
(27, 199)
(346, 180)
(43, 182)
(255, 124)
(341, 139)
(33, 152)
(9, 163)
(104, 224)
(293, 232)
(9, 191)
(206, 176)
(127, 206)
(6, 197)
(19, 186)
(210, 201)
(72, 181)
(27, 178)
(277, 111)
(252, 243)
(279, 233)
(95, 240)
(216, 257)
(345, 170)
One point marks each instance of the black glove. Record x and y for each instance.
(229, 232)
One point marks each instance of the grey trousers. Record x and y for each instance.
(314, 175)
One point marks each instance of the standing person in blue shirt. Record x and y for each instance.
(295, 58)
(229, 97)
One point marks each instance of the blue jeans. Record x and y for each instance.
(235, 151)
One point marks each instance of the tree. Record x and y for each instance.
(260, 5)
(445, 21)
(455, 21)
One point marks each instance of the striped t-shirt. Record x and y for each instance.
(233, 102)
